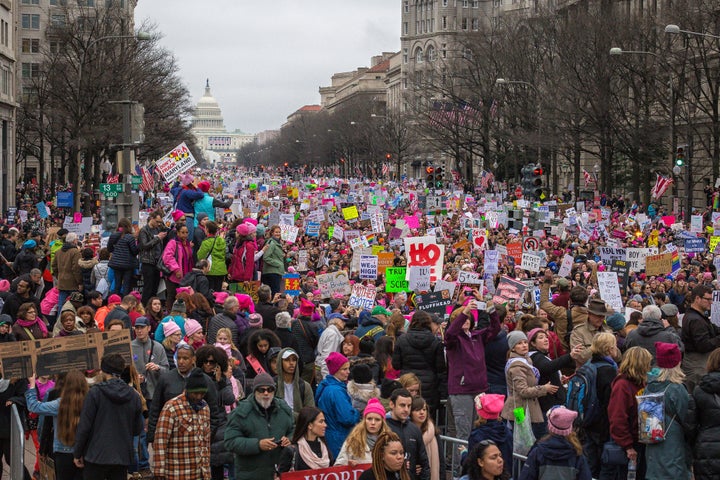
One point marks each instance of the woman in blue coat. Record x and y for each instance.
(332, 398)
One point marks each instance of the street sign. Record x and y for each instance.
(136, 181)
(111, 190)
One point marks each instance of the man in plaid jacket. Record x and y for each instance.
(182, 435)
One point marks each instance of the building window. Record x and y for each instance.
(476, 4)
(475, 24)
(115, 3)
(443, 22)
(405, 55)
(419, 55)
(468, 54)
(30, 70)
(417, 28)
(30, 45)
(57, 20)
(431, 54)
(405, 83)
(445, 3)
(31, 21)
(432, 25)
(31, 2)
(464, 23)
(406, 6)
(86, 3)
(465, 3)
(54, 46)
(443, 50)
(497, 3)
(6, 79)
(405, 28)
(58, 2)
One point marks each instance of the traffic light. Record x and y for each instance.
(680, 157)
(430, 179)
(110, 217)
(388, 156)
(527, 180)
(538, 189)
(439, 177)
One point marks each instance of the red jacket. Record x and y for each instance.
(622, 411)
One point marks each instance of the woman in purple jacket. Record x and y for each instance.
(465, 350)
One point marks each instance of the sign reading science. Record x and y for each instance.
(177, 161)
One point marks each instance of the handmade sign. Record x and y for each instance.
(424, 252)
(177, 161)
(362, 297)
(292, 284)
(395, 280)
(610, 289)
(435, 302)
(335, 282)
(508, 289)
(368, 267)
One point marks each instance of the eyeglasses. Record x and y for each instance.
(265, 389)
(707, 298)
(210, 361)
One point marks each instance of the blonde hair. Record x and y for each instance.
(228, 333)
(409, 379)
(603, 343)
(356, 440)
(672, 375)
(636, 364)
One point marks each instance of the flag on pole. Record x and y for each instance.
(148, 181)
(589, 178)
(113, 178)
(662, 183)
(385, 169)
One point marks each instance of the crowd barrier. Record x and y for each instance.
(17, 444)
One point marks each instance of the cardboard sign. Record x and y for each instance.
(177, 161)
(395, 280)
(508, 289)
(610, 289)
(288, 233)
(436, 302)
(490, 262)
(658, 264)
(362, 297)
(332, 473)
(292, 284)
(469, 278)
(350, 213)
(566, 266)
(424, 252)
(57, 355)
(531, 262)
(385, 260)
(419, 278)
(368, 267)
(335, 282)
(636, 257)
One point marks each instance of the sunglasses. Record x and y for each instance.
(265, 389)
(210, 361)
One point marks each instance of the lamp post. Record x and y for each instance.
(675, 30)
(127, 118)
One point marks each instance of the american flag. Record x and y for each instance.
(589, 178)
(661, 185)
(358, 172)
(385, 169)
(494, 109)
(486, 179)
(456, 176)
(113, 178)
(444, 114)
(148, 180)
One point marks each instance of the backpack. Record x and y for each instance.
(103, 286)
(582, 394)
(242, 263)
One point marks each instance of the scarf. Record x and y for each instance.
(433, 453)
(29, 323)
(313, 461)
(371, 439)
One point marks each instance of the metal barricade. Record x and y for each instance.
(455, 444)
(17, 444)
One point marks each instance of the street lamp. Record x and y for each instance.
(675, 30)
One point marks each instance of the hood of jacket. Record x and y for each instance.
(116, 390)
(370, 320)
(87, 263)
(555, 449)
(710, 383)
(67, 246)
(494, 430)
(363, 391)
(279, 366)
(419, 339)
(650, 327)
(328, 381)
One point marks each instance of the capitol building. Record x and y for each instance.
(216, 143)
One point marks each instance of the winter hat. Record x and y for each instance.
(335, 361)
(378, 310)
(668, 310)
(112, 364)
(667, 355)
(114, 298)
(374, 406)
(283, 320)
(6, 319)
(306, 307)
(616, 321)
(534, 332)
(251, 221)
(255, 320)
(192, 326)
(179, 306)
(187, 290)
(4, 285)
(177, 215)
(30, 244)
(361, 373)
(388, 386)
(186, 179)
(196, 382)
(263, 380)
(201, 216)
(204, 186)
(220, 297)
(489, 405)
(246, 302)
(243, 229)
(515, 337)
(260, 230)
(170, 327)
(560, 420)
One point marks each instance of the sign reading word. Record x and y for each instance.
(177, 161)
(332, 473)
(491, 261)
(658, 264)
(508, 289)
(362, 297)
(419, 278)
(470, 278)
(424, 252)
(336, 282)
(395, 280)
(531, 262)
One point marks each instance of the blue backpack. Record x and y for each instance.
(582, 394)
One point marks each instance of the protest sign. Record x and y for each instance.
(338, 233)
(610, 289)
(249, 288)
(362, 297)
(714, 240)
(287, 219)
(514, 250)
(531, 262)
(714, 310)
(350, 213)
(302, 261)
(419, 278)
(332, 473)
(622, 269)
(696, 223)
(508, 289)
(368, 267)
(479, 236)
(292, 284)
(385, 260)
(376, 221)
(658, 264)
(424, 252)
(469, 278)
(441, 285)
(288, 233)
(335, 282)
(57, 355)
(608, 254)
(566, 266)
(395, 280)
(177, 161)
(81, 228)
(636, 257)
(694, 245)
(435, 302)
(490, 262)
(312, 229)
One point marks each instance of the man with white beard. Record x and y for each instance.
(257, 430)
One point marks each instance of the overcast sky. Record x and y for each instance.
(265, 59)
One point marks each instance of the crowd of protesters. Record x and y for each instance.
(236, 375)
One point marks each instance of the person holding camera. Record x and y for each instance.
(150, 243)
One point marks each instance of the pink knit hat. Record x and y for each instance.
(246, 302)
(489, 405)
(534, 332)
(255, 320)
(334, 361)
(170, 327)
(374, 406)
(177, 215)
(192, 326)
(560, 420)
(204, 186)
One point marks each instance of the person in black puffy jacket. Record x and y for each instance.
(420, 352)
(123, 246)
(706, 451)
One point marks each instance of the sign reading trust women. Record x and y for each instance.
(177, 161)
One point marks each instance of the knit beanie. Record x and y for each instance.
(361, 373)
(515, 337)
(112, 364)
(306, 307)
(374, 406)
(560, 420)
(263, 380)
(196, 382)
(179, 306)
(192, 326)
(667, 355)
(170, 327)
(255, 320)
(489, 405)
(177, 215)
(335, 361)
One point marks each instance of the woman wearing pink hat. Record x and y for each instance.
(357, 447)
(489, 426)
(178, 257)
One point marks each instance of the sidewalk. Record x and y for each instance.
(29, 461)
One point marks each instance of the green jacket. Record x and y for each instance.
(217, 244)
(54, 247)
(274, 258)
(246, 426)
(301, 397)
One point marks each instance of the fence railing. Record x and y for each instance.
(17, 444)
